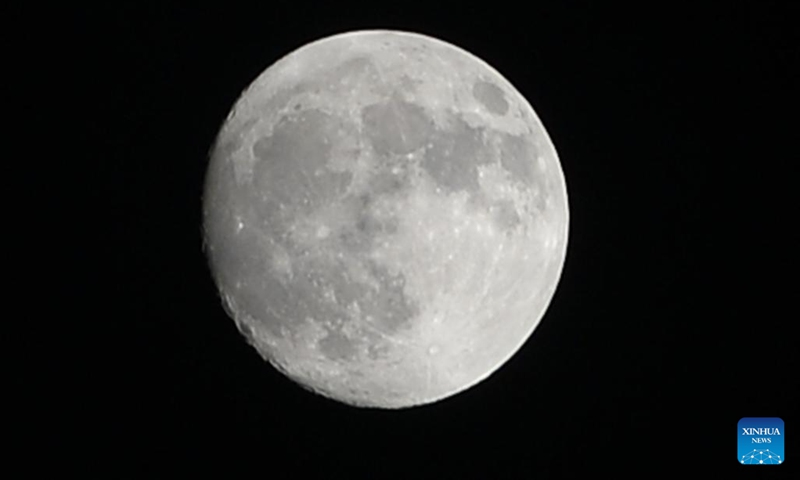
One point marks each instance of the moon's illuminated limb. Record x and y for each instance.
(386, 218)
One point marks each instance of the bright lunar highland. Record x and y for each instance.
(385, 218)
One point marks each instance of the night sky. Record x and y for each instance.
(678, 140)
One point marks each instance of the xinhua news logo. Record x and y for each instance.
(761, 441)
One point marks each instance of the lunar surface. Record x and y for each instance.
(385, 218)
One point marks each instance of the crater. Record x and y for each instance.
(231, 141)
(377, 349)
(504, 215)
(266, 300)
(246, 330)
(490, 96)
(396, 127)
(352, 72)
(337, 346)
(409, 84)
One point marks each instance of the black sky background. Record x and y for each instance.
(673, 319)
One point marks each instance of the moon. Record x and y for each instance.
(385, 218)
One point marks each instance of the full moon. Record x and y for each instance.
(385, 218)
